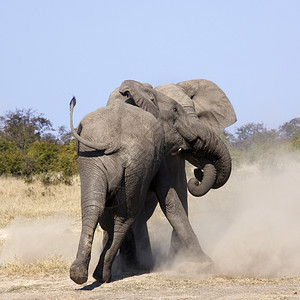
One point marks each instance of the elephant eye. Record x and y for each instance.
(152, 98)
(175, 109)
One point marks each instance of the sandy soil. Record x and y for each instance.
(161, 285)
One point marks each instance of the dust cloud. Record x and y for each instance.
(251, 226)
(28, 240)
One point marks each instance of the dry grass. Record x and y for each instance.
(35, 200)
(49, 266)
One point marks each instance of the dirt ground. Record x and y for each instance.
(162, 285)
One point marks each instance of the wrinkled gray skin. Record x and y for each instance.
(122, 150)
(209, 112)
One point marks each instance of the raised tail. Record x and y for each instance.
(98, 146)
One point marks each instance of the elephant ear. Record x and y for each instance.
(212, 106)
(116, 97)
(140, 94)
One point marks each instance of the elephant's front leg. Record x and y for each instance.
(176, 167)
(176, 215)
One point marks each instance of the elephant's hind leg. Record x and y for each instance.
(102, 272)
(93, 195)
(132, 202)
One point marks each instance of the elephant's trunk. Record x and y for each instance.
(222, 161)
(204, 179)
(210, 155)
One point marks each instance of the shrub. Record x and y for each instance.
(11, 160)
(28, 148)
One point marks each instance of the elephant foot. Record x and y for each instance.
(207, 264)
(195, 268)
(204, 258)
(79, 272)
(201, 258)
(191, 265)
(103, 275)
(197, 262)
(202, 264)
(98, 274)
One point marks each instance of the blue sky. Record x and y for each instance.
(52, 50)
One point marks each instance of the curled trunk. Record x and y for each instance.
(212, 158)
(204, 179)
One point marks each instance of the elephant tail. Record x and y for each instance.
(108, 149)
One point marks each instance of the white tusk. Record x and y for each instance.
(177, 152)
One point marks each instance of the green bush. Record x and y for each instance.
(296, 142)
(11, 160)
(68, 160)
(42, 157)
(28, 148)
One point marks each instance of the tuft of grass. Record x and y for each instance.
(17, 288)
(49, 266)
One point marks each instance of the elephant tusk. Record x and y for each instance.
(177, 152)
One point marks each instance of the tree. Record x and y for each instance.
(296, 142)
(249, 130)
(228, 138)
(65, 136)
(23, 127)
(290, 129)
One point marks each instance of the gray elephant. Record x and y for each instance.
(122, 150)
(208, 107)
(209, 112)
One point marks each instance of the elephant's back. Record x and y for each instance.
(142, 132)
(133, 129)
(100, 126)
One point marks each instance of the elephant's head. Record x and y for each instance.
(175, 120)
(209, 113)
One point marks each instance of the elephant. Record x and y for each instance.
(122, 151)
(209, 112)
(209, 108)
